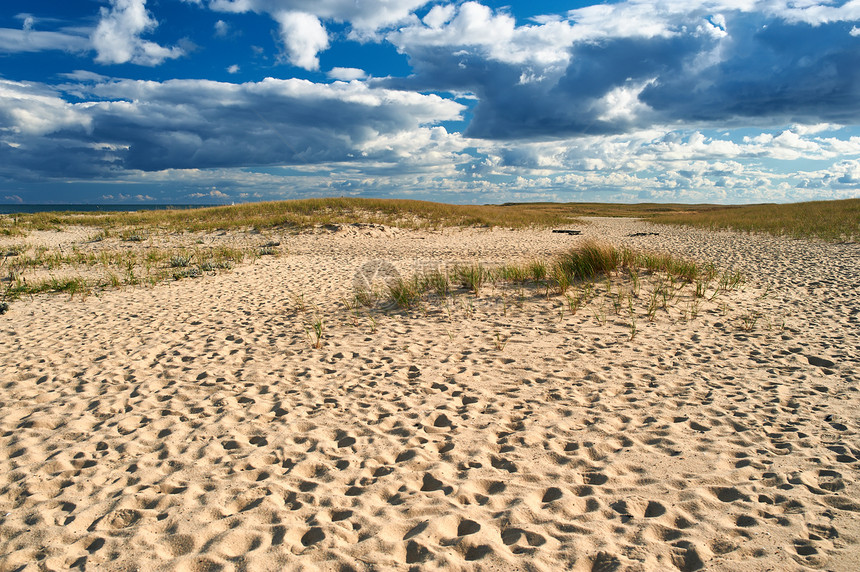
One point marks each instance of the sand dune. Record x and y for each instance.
(192, 425)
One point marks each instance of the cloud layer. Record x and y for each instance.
(198, 124)
(702, 100)
(611, 69)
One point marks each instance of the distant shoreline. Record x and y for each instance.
(41, 208)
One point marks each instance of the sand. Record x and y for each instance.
(193, 425)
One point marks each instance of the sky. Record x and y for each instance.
(222, 101)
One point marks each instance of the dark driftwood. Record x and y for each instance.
(567, 231)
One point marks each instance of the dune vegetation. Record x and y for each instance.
(107, 258)
(301, 214)
(828, 220)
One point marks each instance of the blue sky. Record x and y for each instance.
(220, 101)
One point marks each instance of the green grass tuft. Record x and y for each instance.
(405, 292)
(472, 277)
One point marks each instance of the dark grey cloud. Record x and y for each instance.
(190, 124)
(772, 71)
(34, 158)
(751, 69)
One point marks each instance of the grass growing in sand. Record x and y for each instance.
(606, 279)
(28, 271)
(613, 289)
(296, 215)
(316, 331)
(307, 213)
(828, 220)
(586, 263)
(581, 269)
(108, 260)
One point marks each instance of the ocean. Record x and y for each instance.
(14, 209)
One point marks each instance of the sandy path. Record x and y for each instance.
(192, 426)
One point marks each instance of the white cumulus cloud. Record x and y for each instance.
(117, 38)
(365, 16)
(346, 74)
(221, 28)
(34, 110)
(475, 29)
(816, 13)
(439, 15)
(214, 193)
(304, 37)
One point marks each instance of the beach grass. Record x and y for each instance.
(306, 213)
(583, 266)
(299, 215)
(612, 285)
(27, 271)
(95, 268)
(826, 220)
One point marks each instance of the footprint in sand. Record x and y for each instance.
(746, 521)
(346, 441)
(477, 552)
(595, 478)
(729, 494)
(95, 545)
(494, 487)
(804, 547)
(467, 527)
(431, 483)
(313, 536)
(686, 557)
(416, 553)
(605, 562)
(383, 471)
(522, 540)
(503, 464)
(338, 515)
(122, 518)
(179, 544)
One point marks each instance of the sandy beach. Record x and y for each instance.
(193, 425)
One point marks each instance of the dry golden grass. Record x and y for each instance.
(41, 269)
(300, 214)
(305, 213)
(828, 220)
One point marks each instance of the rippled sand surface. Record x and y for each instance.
(193, 425)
